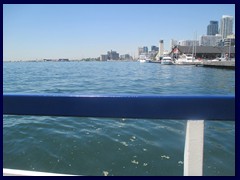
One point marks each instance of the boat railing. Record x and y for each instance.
(199, 108)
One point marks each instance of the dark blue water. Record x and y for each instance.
(97, 146)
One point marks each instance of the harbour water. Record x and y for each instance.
(100, 146)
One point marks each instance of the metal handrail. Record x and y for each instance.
(196, 108)
(209, 107)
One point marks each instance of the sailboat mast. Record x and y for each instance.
(229, 56)
(196, 46)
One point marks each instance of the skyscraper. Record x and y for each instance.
(140, 51)
(145, 49)
(212, 28)
(113, 55)
(226, 26)
(154, 48)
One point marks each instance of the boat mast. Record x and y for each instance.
(193, 48)
(196, 46)
(229, 55)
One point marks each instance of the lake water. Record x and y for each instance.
(98, 146)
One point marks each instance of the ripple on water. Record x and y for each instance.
(100, 146)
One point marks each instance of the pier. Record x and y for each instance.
(190, 63)
(219, 64)
(215, 64)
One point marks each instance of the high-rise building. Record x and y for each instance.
(212, 28)
(145, 49)
(226, 26)
(154, 48)
(161, 49)
(113, 55)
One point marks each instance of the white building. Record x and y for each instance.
(210, 40)
(103, 57)
(229, 40)
(173, 43)
(189, 43)
(161, 49)
(226, 26)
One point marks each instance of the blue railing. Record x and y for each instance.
(193, 108)
(126, 106)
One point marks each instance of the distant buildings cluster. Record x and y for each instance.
(216, 37)
(55, 59)
(222, 36)
(144, 53)
(113, 55)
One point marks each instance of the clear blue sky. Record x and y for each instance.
(80, 31)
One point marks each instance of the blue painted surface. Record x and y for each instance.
(122, 106)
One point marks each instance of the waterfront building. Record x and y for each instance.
(173, 43)
(142, 50)
(145, 49)
(50, 59)
(104, 57)
(154, 48)
(203, 52)
(113, 55)
(226, 26)
(210, 40)
(125, 57)
(229, 41)
(63, 59)
(161, 49)
(152, 54)
(212, 28)
(188, 43)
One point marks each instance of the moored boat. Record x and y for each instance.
(167, 60)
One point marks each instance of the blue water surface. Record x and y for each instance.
(107, 146)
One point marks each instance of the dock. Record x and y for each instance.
(219, 64)
(207, 63)
(215, 64)
(190, 63)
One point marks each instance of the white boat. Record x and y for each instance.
(144, 60)
(167, 60)
(188, 58)
(185, 58)
(225, 58)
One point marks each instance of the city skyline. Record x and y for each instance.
(80, 31)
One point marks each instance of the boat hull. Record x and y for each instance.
(167, 63)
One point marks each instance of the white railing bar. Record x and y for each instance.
(16, 172)
(193, 152)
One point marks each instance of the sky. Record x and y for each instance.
(76, 31)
